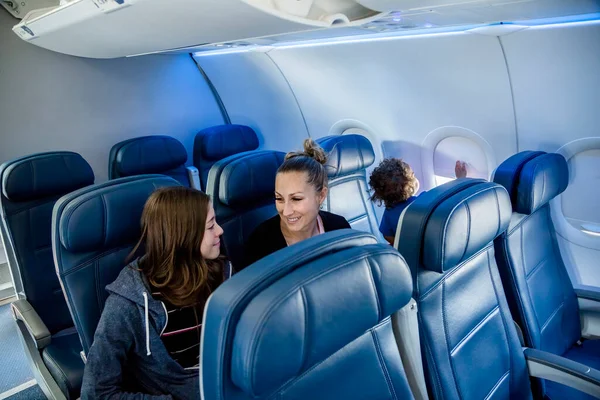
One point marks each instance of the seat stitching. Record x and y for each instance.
(504, 323)
(537, 266)
(445, 323)
(560, 306)
(499, 212)
(497, 384)
(308, 371)
(482, 322)
(454, 270)
(305, 342)
(513, 277)
(379, 310)
(386, 373)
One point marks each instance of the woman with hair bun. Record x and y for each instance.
(300, 189)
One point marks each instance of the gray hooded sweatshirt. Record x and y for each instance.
(127, 342)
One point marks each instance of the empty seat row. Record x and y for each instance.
(166, 155)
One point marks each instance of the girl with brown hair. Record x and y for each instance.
(147, 343)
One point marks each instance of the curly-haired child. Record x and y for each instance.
(393, 184)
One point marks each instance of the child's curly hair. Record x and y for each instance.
(392, 182)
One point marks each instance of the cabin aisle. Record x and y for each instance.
(14, 370)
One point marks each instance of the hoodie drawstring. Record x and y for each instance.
(147, 324)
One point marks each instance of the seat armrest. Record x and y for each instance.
(193, 177)
(544, 365)
(587, 292)
(23, 311)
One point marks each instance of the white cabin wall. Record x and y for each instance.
(404, 89)
(50, 101)
(255, 93)
(556, 86)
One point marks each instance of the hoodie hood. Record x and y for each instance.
(132, 285)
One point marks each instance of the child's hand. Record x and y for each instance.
(460, 169)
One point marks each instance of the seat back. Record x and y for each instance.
(470, 344)
(537, 284)
(31, 186)
(219, 142)
(348, 158)
(242, 189)
(149, 155)
(93, 231)
(287, 329)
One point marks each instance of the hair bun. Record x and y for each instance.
(313, 150)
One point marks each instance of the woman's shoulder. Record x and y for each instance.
(333, 221)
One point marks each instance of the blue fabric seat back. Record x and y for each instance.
(31, 186)
(311, 321)
(93, 231)
(219, 142)
(348, 158)
(149, 155)
(470, 344)
(242, 188)
(537, 284)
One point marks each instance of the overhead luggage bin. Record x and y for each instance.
(118, 28)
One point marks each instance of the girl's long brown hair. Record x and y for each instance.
(173, 224)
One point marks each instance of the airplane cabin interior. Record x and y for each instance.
(489, 286)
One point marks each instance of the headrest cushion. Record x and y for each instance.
(149, 155)
(218, 142)
(541, 179)
(45, 175)
(347, 154)
(308, 316)
(249, 179)
(107, 216)
(464, 224)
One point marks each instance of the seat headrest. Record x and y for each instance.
(533, 179)
(463, 224)
(218, 142)
(308, 316)
(249, 179)
(106, 215)
(45, 175)
(149, 155)
(346, 154)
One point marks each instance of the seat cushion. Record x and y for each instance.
(63, 359)
(588, 354)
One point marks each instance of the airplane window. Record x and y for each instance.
(454, 148)
(579, 200)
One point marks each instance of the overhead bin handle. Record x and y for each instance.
(107, 6)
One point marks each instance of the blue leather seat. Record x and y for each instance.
(540, 293)
(242, 188)
(93, 231)
(219, 142)
(348, 158)
(149, 155)
(470, 345)
(30, 187)
(311, 321)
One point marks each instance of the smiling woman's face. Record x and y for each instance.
(297, 201)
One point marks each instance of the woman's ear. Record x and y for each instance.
(323, 195)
